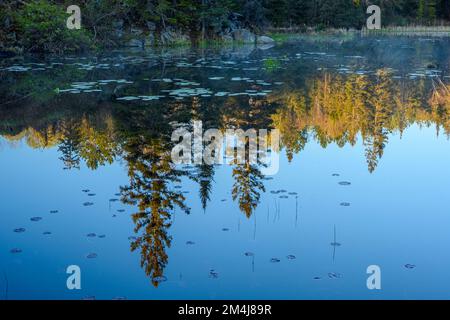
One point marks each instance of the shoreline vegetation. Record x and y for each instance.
(39, 26)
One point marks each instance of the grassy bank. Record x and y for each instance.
(429, 31)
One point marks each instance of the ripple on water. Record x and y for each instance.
(410, 266)
(36, 219)
(344, 183)
(92, 255)
(19, 230)
(291, 257)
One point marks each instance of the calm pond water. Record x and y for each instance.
(87, 177)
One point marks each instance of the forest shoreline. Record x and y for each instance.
(271, 37)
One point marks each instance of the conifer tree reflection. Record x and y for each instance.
(147, 150)
(69, 145)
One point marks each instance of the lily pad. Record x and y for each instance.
(213, 274)
(159, 279)
(333, 275)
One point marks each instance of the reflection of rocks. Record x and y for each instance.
(265, 46)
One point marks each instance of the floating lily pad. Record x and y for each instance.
(213, 274)
(159, 279)
(333, 275)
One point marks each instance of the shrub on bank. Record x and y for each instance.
(41, 27)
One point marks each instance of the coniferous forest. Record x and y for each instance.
(40, 25)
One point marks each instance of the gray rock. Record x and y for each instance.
(244, 35)
(136, 32)
(149, 40)
(150, 25)
(264, 40)
(135, 43)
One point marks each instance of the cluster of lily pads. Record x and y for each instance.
(90, 86)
